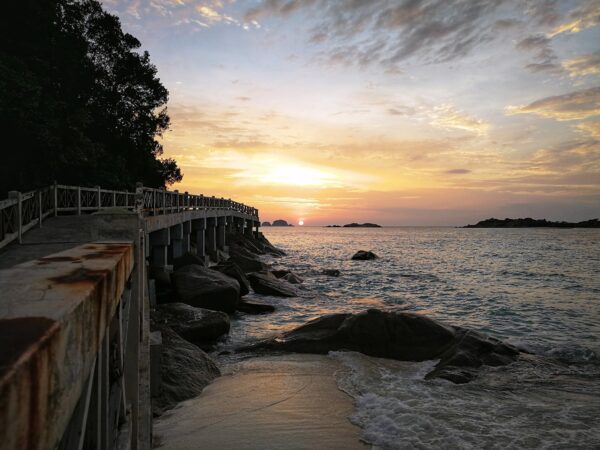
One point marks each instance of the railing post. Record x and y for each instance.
(114, 199)
(176, 200)
(99, 199)
(78, 200)
(164, 203)
(139, 197)
(186, 200)
(39, 196)
(153, 202)
(55, 199)
(16, 195)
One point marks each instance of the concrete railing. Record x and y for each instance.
(70, 328)
(22, 211)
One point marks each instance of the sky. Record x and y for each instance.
(399, 112)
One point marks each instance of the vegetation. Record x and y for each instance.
(528, 222)
(78, 102)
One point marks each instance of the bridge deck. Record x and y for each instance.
(56, 234)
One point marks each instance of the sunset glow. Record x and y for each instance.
(367, 111)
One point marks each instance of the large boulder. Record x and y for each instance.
(248, 263)
(196, 325)
(363, 255)
(205, 288)
(234, 271)
(185, 370)
(188, 259)
(255, 308)
(398, 335)
(267, 284)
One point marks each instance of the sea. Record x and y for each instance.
(536, 288)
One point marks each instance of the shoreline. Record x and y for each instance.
(285, 401)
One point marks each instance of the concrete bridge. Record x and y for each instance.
(75, 345)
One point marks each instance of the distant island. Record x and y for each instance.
(532, 223)
(362, 225)
(277, 223)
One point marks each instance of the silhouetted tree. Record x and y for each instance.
(78, 102)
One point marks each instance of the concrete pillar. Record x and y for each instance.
(199, 228)
(176, 247)
(221, 233)
(211, 236)
(238, 224)
(230, 226)
(159, 242)
(257, 231)
(187, 229)
(248, 228)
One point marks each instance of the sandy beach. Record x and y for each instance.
(289, 401)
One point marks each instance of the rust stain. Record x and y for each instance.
(19, 335)
(81, 276)
(54, 259)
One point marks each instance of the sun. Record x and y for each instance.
(301, 222)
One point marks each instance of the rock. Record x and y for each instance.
(280, 273)
(265, 283)
(362, 225)
(196, 325)
(205, 288)
(265, 224)
(255, 308)
(267, 247)
(234, 271)
(248, 263)
(187, 259)
(363, 255)
(281, 223)
(293, 278)
(185, 370)
(331, 272)
(161, 277)
(398, 335)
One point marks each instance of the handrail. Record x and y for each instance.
(22, 211)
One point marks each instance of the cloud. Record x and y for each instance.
(457, 171)
(545, 60)
(591, 128)
(571, 106)
(389, 32)
(448, 117)
(586, 16)
(583, 65)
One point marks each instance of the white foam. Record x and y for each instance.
(513, 407)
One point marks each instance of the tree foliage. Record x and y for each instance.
(79, 103)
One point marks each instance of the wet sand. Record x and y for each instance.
(289, 402)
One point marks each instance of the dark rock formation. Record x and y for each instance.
(196, 325)
(362, 225)
(255, 308)
(187, 260)
(331, 272)
(280, 273)
(529, 222)
(205, 288)
(292, 278)
(267, 284)
(185, 370)
(265, 224)
(247, 262)
(401, 336)
(231, 269)
(363, 255)
(281, 223)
